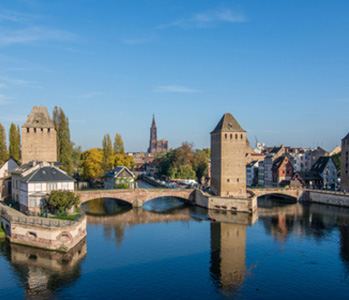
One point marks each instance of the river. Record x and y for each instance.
(169, 250)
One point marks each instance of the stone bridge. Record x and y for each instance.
(136, 197)
(289, 192)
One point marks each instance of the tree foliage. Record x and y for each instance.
(3, 146)
(107, 153)
(183, 162)
(64, 145)
(337, 161)
(61, 201)
(118, 144)
(92, 163)
(15, 143)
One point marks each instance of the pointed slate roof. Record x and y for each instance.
(346, 137)
(321, 164)
(47, 174)
(228, 123)
(153, 123)
(39, 118)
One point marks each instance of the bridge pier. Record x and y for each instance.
(137, 203)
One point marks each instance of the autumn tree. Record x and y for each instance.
(64, 144)
(3, 146)
(118, 144)
(123, 160)
(15, 143)
(107, 153)
(92, 163)
(200, 163)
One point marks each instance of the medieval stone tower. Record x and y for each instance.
(39, 141)
(345, 164)
(228, 163)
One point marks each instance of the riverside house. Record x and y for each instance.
(118, 175)
(33, 181)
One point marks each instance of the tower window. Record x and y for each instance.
(48, 130)
(237, 179)
(42, 130)
(225, 136)
(34, 130)
(231, 136)
(228, 180)
(236, 136)
(28, 130)
(241, 136)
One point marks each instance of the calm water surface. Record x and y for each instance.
(168, 250)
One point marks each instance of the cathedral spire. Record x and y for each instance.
(153, 125)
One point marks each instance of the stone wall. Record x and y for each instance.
(39, 145)
(43, 233)
(236, 204)
(327, 197)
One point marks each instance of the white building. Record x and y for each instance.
(261, 174)
(326, 168)
(118, 175)
(7, 167)
(252, 173)
(302, 160)
(33, 181)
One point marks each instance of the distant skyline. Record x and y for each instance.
(280, 67)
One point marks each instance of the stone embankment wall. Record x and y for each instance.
(327, 197)
(247, 205)
(51, 234)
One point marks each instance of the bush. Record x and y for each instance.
(61, 201)
(121, 185)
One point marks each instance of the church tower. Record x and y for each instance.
(228, 164)
(39, 137)
(153, 137)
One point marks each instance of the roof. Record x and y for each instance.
(47, 174)
(115, 172)
(228, 123)
(153, 125)
(275, 149)
(39, 118)
(23, 168)
(278, 162)
(346, 137)
(309, 175)
(321, 164)
(252, 163)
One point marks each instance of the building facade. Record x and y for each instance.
(326, 168)
(252, 173)
(32, 182)
(156, 146)
(228, 162)
(282, 171)
(39, 139)
(345, 164)
(118, 175)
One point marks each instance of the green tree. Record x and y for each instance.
(3, 146)
(107, 153)
(92, 163)
(61, 201)
(337, 161)
(185, 172)
(118, 144)
(76, 159)
(64, 144)
(15, 143)
(200, 164)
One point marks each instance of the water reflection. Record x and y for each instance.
(40, 272)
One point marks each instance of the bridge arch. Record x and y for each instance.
(289, 193)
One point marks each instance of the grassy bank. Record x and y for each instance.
(2, 233)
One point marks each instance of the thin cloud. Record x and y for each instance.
(208, 19)
(174, 89)
(33, 34)
(16, 17)
(4, 80)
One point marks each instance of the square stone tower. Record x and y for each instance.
(228, 163)
(345, 164)
(39, 138)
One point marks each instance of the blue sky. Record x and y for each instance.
(280, 67)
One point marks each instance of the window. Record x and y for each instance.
(51, 186)
(231, 136)
(236, 136)
(42, 130)
(48, 130)
(34, 130)
(37, 187)
(65, 185)
(32, 202)
(241, 136)
(225, 136)
(28, 130)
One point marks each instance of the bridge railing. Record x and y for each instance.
(13, 216)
